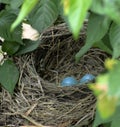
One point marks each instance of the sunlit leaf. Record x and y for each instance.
(110, 63)
(66, 6)
(76, 12)
(101, 84)
(9, 75)
(27, 7)
(106, 105)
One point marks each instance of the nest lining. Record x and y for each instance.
(55, 58)
(39, 99)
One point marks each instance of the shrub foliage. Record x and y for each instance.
(103, 32)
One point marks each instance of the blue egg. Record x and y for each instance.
(86, 79)
(69, 81)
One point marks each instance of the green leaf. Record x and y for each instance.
(76, 14)
(82, 51)
(106, 41)
(115, 122)
(111, 8)
(98, 120)
(6, 19)
(10, 47)
(115, 39)
(97, 7)
(116, 118)
(106, 106)
(9, 75)
(107, 124)
(97, 28)
(5, 1)
(15, 3)
(28, 46)
(27, 7)
(44, 15)
(102, 45)
(114, 80)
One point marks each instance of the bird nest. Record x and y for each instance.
(39, 99)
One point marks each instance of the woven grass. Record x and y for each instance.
(39, 100)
